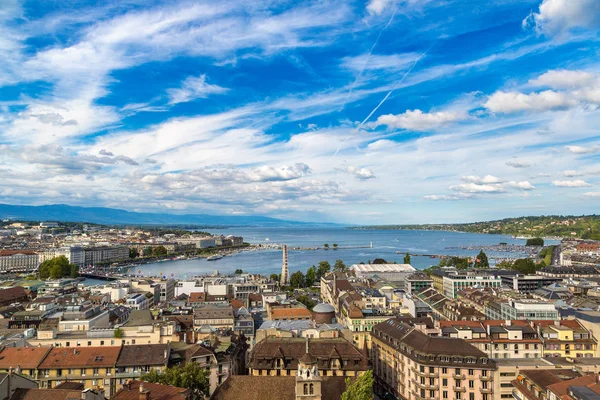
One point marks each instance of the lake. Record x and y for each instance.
(385, 245)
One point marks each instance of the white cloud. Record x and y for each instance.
(476, 188)
(376, 7)
(374, 62)
(416, 120)
(592, 194)
(571, 184)
(583, 150)
(559, 17)
(572, 173)
(523, 185)
(194, 88)
(446, 197)
(564, 79)
(382, 144)
(518, 164)
(360, 173)
(509, 102)
(481, 179)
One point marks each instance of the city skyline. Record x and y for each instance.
(383, 111)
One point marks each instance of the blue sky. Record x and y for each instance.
(378, 111)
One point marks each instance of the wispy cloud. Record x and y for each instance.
(193, 88)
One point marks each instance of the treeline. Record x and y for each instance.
(58, 267)
(313, 274)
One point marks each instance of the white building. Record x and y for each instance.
(455, 283)
(529, 310)
(75, 255)
(187, 287)
(18, 260)
(137, 301)
(116, 291)
(388, 272)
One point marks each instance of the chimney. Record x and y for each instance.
(144, 393)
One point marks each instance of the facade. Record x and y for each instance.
(389, 272)
(408, 364)
(566, 338)
(281, 356)
(136, 360)
(527, 283)
(105, 254)
(455, 283)
(216, 316)
(18, 261)
(417, 282)
(137, 301)
(528, 310)
(75, 255)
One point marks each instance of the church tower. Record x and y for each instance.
(308, 379)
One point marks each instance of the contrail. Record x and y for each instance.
(397, 84)
(367, 59)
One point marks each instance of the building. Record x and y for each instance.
(286, 313)
(13, 384)
(302, 329)
(137, 301)
(167, 289)
(25, 359)
(105, 254)
(389, 272)
(498, 339)
(528, 310)
(220, 366)
(408, 364)
(527, 283)
(215, 316)
(14, 294)
(281, 356)
(533, 383)
(566, 338)
(136, 360)
(75, 255)
(136, 390)
(92, 366)
(417, 281)
(454, 283)
(82, 317)
(18, 260)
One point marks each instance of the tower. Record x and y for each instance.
(284, 267)
(308, 379)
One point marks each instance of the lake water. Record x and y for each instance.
(385, 244)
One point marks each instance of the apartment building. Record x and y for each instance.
(105, 254)
(18, 260)
(136, 360)
(527, 283)
(215, 316)
(137, 301)
(409, 364)
(566, 338)
(529, 310)
(75, 255)
(498, 339)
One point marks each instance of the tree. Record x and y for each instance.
(407, 259)
(56, 268)
(534, 242)
(74, 271)
(525, 266)
(159, 251)
(379, 261)
(335, 246)
(118, 333)
(304, 299)
(133, 252)
(322, 269)
(311, 276)
(192, 376)
(481, 261)
(297, 279)
(361, 389)
(238, 272)
(326, 245)
(274, 277)
(147, 251)
(339, 266)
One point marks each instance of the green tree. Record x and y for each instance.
(335, 246)
(74, 271)
(56, 268)
(322, 269)
(147, 251)
(133, 252)
(238, 272)
(311, 276)
(297, 279)
(118, 333)
(361, 389)
(535, 242)
(339, 266)
(481, 261)
(379, 261)
(525, 266)
(274, 277)
(159, 251)
(326, 245)
(304, 299)
(192, 376)
(407, 259)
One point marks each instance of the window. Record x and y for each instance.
(444, 394)
(471, 396)
(444, 370)
(59, 372)
(311, 389)
(471, 384)
(89, 342)
(82, 371)
(484, 373)
(431, 370)
(107, 371)
(67, 344)
(456, 383)
(444, 382)
(457, 371)
(457, 395)
(102, 343)
(95, 371)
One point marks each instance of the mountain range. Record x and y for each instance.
(112, 216)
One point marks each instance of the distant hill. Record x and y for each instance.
(112, 216)
(581, 226)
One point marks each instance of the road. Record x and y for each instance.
(556, 255)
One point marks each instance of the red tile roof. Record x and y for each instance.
(157, 392)
(25, 357)
(80, 357)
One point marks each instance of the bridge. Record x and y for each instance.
(98, 276)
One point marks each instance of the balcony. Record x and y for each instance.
(426, 386)
(485, 378)
(486, 390)
(460, 389)
(458, 376)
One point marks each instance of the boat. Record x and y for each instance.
(267, 239)
(214, 258)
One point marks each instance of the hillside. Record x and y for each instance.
(585, 226)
